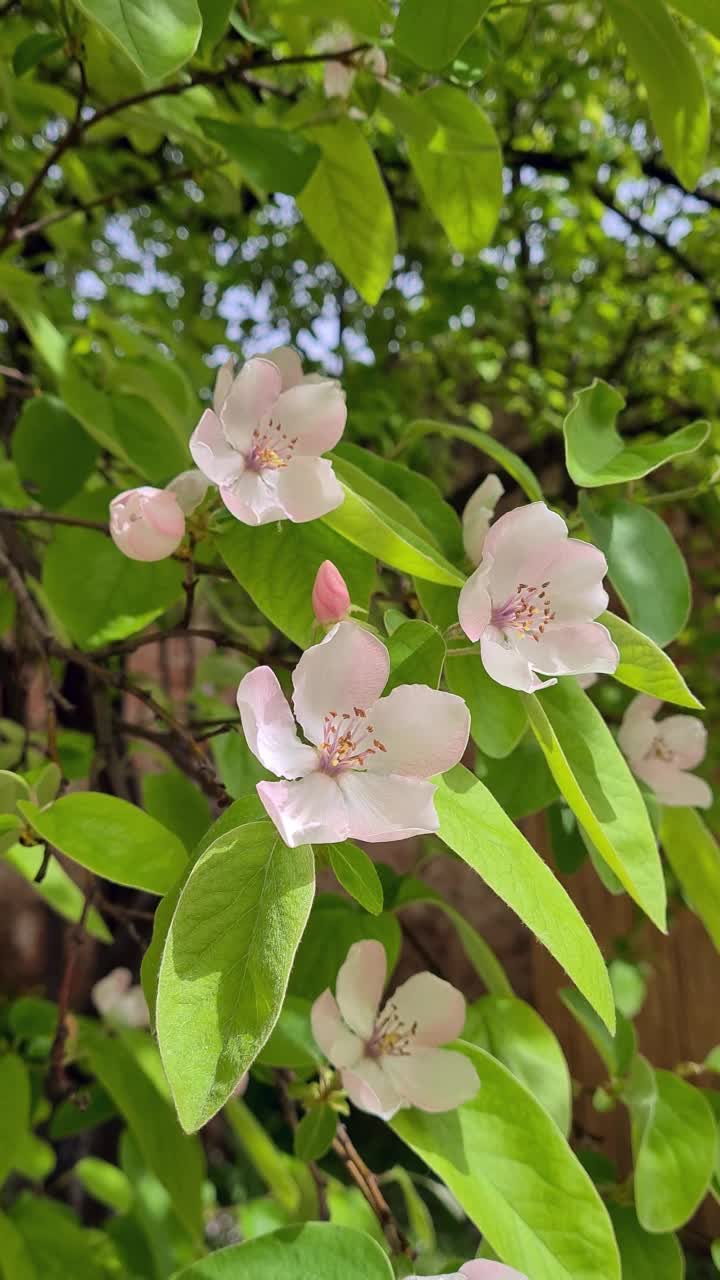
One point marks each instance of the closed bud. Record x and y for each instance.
(146, 523)
(330, 597)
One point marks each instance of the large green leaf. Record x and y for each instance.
(15, 1261)
(51, 450)
(692, 851)
(111, 837)
(618, 1051)
(226, 963)
(482, 440)
(516, 1035)
(56, 888)
(644, 666)
(358, 235)
(594, 778)
(270, 159)
(22, 292)
(674, 1144)
(417, 654)
(431, 34)
(645, 1256)
(672, 78)
(319, 1250)
(334, 925)
(475, 827)
(595, 452)
(157, 37)
(704, 12)
(459, 167)
(178, 803)
(369, 526)
(14, 1112)
(645, 565)
(520, 782)
(277, 564)
(504, 1159)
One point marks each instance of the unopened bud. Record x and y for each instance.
(330, 597)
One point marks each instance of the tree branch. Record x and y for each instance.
(365, 1179)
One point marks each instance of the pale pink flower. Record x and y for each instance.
(478, 1270)
(365, 774)
(330, 596)
(338, 77)
(660, 752)
(261, 442)
(146, 523)
(189, 488)
(390, 1059)
(532, 599)
(477, 516)
(117, 1000)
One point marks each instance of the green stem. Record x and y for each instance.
(269, 1161)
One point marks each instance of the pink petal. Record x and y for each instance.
(307, 811)
(477, 516)
(371, 1089)
(434, 1007)
(289, 363)
(638, 729)
(348, 669)
(432, 1079)
(521, 542)
(504, 664)
(212, 453)
(424, 731)
(479, 1270)
(674, 786)
(576, 573)
(163, 514)
(308, 489)
(475, 605)
(253, 499)
(387, 806)
(223, 382)
(189, 488)
(146, 523)
(251, 396)
(338, 1043)
(359, 986)
(330, 596)
(269, 726)
(571, 648)
(315, 413)
(686, 737)
(338, 79)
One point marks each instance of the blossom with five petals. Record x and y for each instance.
(366, 773)
(477, 516)
(477, 1270)
(390, 1058)
(262, 440)
(660, 752)
(532, 600)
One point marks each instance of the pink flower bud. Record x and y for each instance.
(146, 523)
(330, 598)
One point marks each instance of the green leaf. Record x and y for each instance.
(482, 440)
(367, 526)
(105, 1182)
(417, 655)
(516, 1035)
(15, 1110)
(56, 1243)
(292, 1043)
(318, 1249)
(176, 1159)
(33, 49)
(334, 926)
(475, 827)
(356, 873)
(692, 851)
(177, 803)
(645, 1256)
(480, 955)
(594, 778)
(357, 235)
(645, 565)
(617, 1051)
(15, 1261)
(226, 963)
(675, 89)
(111, 837)
(521, 782)
(270, 159)
(645, 667)
(21, 291)
(430, 34)
(56, 888)
(497, 716)
(459, 167)
(158, 38)
(674, 1142)
(36, 1159)
(314, 1135)
(277, 564)
(506, 1162)
(704, 12)
(380, 494)
(596, 454)
(97, 593)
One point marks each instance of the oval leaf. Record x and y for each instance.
(310, 1249)
(367, 526)
(645, 667)
(430, 34)
(692, 851)
(314, 1135)
(645, 1256)
(356, 872)
(516, 1035)
(158, 38)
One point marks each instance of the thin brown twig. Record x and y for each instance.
(59, 215)
(58, 1084)
(365, 1179)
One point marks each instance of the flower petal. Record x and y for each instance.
(212, 453)
(306, 812)
(308, 489)
(370, 1089)
(686, 737)
(387, 806)
(638, 728)
(340, 1045)
(289, 363)
(571, 648)
(424, 731)
(189, 488)
(431, 1005)
(251, 396)
(475, 605)
(348, 669)
(576, 573)
(521, 543)
(504, 664)
(480, 1270)
(269, 726)
(432, 1079)
(359, 986)
(315, 413)
(674, 786)
(477, 516)
(253, 499)
(223, 383)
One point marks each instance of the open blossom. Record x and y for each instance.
(478, 1270)
(364, 770)
(390, 1058)
(330, 596)
(262, 440)
(532, 600)
(148, 523)
(478, 514)
(338, 77)
(117, 1000)
(660, 752)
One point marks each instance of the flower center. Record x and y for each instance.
(659, 750)
(528, 611)
(347, 741)
(270, 448)
(390, 1035)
